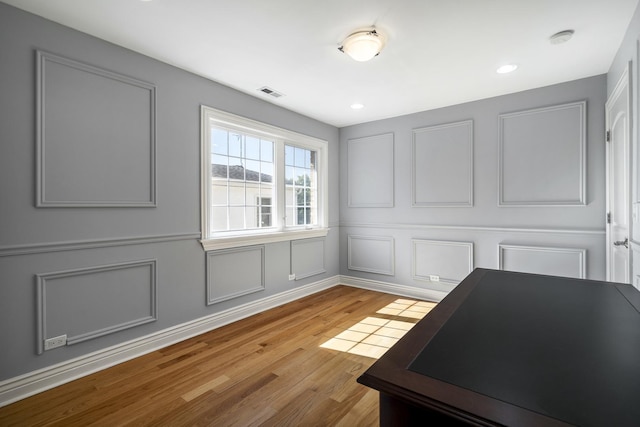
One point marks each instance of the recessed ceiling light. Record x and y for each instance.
(506, 68)
(561, 37)
(357, 106)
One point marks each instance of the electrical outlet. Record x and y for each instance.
(292, 277)
(55, 342)
(434, 278)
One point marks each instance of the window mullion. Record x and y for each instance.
(279, 191)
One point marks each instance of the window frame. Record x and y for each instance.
(211, 117)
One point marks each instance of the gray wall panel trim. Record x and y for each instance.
(305, 242)
(211, 299)
(390, 254)
(467, 246)
(467, 199)
(392, 226)
(373, 174)
(581, 199)
(393, 288)
(92, 244)
(42, 58)
(580, 253)
(34, 382)
(41, 292)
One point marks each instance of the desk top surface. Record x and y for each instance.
(562, 349)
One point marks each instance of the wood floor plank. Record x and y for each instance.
(266, 370)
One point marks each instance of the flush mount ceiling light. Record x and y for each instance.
(561, 37)
(363, 45)
(357, 106)
(506, 68)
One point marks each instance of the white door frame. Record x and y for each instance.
(622, 88)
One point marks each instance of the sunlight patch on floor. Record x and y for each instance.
(373, 336)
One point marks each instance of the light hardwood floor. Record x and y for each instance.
(289, 366)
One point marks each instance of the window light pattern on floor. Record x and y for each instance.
(373, 336)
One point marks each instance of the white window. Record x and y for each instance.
(260, 183)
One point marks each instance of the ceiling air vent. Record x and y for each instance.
(270, 92)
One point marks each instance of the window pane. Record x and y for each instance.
(235, 145)
(307, 159)
(253, 217)
(253, 170)
(267, 171)
(288, 155)
(291, 216)
(218, 218)
(253, 148)
(299, 197)
(218, 141)
(219, 193)
(266, 191)
(236, 218)
(236, 168)
(300, 155)
(236, 193)
(266, 151)
(266, 219)
(288, 175)
(219, 166)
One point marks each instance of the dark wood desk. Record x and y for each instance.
(517, 349)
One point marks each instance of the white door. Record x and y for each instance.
(618, 182)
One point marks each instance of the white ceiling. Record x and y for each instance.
(438, 53)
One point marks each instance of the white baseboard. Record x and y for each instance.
(26, 385)
(392, 288)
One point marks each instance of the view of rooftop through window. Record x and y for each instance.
(242, 191)
(242, 169)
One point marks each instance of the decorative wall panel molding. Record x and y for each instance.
(307, 258)
(232, 273)
(17, 388)
(87, 303)
(566, 262)
(370, 168)
(543, 156)
(373, 254)
(450, 261)
(397, 226)
(92, 244)
(96, 141)
(442, 173)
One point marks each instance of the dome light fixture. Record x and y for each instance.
(363, 45)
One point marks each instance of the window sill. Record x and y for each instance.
(260, 239)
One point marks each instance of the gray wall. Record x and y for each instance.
(513, 182)
(100, 210)
(628, 54)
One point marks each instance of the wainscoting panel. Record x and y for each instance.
(543, 156)
(552, 261)
(443, 165)
(373, 254)
(95, 136)
(371, 171)
(450, 261)
(106, 298)
(307, 258)
(234, 272)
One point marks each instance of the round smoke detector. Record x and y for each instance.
(561, 37)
